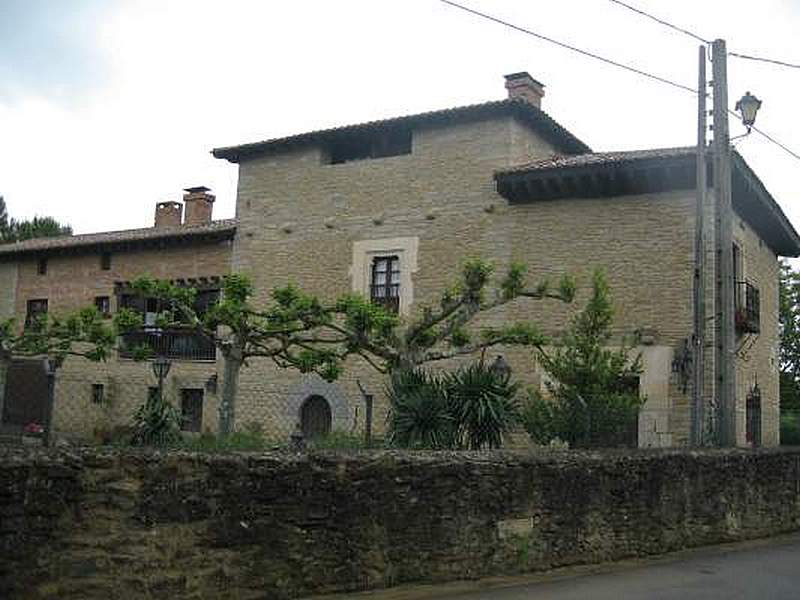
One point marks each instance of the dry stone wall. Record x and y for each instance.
(99, 524)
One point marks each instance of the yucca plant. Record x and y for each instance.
(420, 416)
(156, 423)
(483, 404)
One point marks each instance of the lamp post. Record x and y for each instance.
(51, 365)
(161, 367)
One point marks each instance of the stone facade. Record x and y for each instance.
(72, 281)
(94, 524)
(308, 217)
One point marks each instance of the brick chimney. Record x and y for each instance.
(199, 205)
(168, 214)
(524, 87)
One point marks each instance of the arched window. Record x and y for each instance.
(315, 417)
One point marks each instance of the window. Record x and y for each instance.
(98, 393)
(105, 261)
(36, 309)
(191, 409)
(385, 282)
(377, 144)
(41, 267)
(103, 305)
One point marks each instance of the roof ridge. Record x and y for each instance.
(233, 153)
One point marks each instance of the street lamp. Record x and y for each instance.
(161, 368)
(748, 106)
(500, 368)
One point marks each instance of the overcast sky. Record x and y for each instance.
(107, 107)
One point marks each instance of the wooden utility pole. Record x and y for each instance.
(698, 384)
(724, 364)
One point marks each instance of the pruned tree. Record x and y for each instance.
(298, 330)
(83, 333)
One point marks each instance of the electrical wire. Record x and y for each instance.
(569, 47)
(766, 60)
(611, 62)
(701, 39)
(661, 21)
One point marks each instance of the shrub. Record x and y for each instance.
(156, 423)
(420, 416)
(790, 429)
(483, 405)
(237, 441)
(595, 399)
(470, 408)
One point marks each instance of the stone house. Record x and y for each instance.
(391, 208)
(60, 275)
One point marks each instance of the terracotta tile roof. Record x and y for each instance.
(599, 158)
(536, 117)
(216, 229)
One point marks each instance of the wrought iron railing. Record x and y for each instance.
(748, 307)
(178, 345)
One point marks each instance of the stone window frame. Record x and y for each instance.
(366, 251)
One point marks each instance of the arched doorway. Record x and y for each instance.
(315, 417)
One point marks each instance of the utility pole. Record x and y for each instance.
(724, 364)
(698, 387)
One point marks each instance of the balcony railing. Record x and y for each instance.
(178, 345)
(748, 307)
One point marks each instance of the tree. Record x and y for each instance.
(594, 396)
(38, 227)
(3, 220)
(789, 318)
(297, 330)
(12, 230)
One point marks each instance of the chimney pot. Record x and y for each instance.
(199, 205)
(168, 214)
(521, 86)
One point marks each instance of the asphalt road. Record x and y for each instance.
(763, 570)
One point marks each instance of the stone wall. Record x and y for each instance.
(314, 224)
(91, 524)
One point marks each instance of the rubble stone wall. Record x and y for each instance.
(94, 524)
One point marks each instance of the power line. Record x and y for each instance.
(701, 39)
(608, 61)
(569, 47)
(661, 21)
(766, 60)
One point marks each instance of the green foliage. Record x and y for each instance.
(483, 405)
(789, 315)
(595, 398)
(237, 441)
(12, 230)
(790, 428)
(83, 333)
(156, 423)
(469, 408)
(420, 415)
